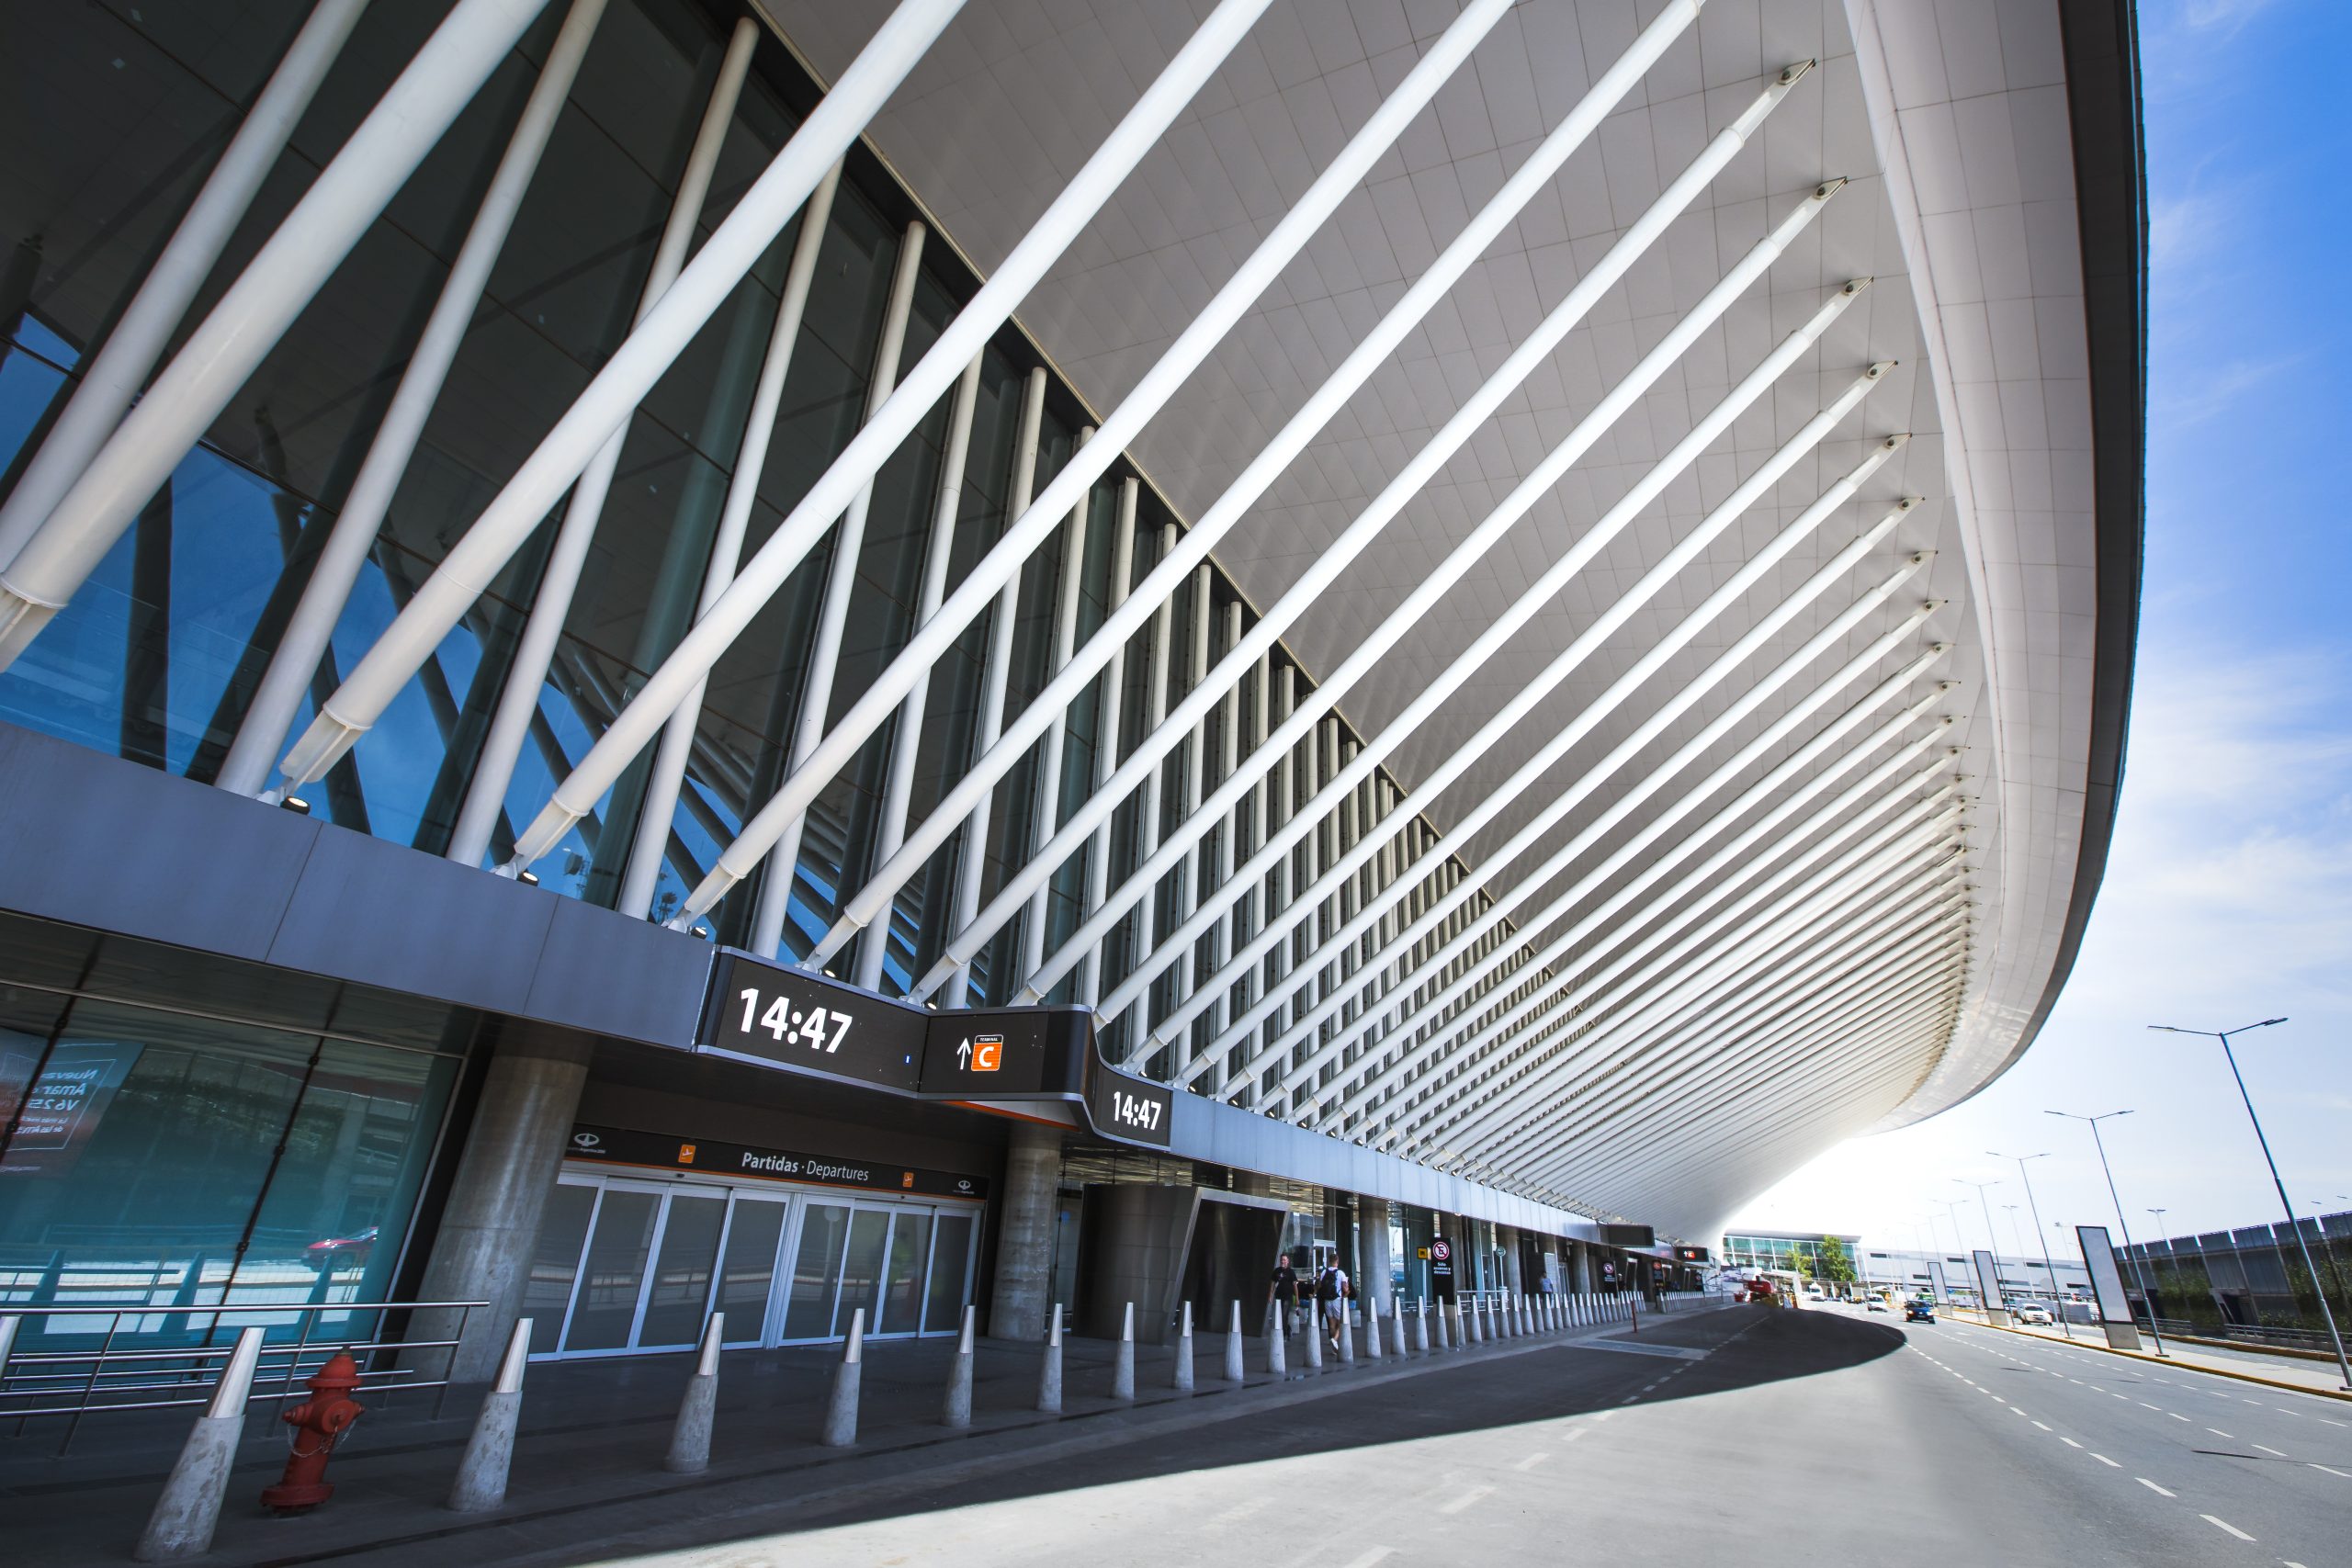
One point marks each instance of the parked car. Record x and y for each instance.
(342, 1251)
(1919, 1311)
(2033, 1311)
(1874, 1304)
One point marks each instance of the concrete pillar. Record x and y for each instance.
(1277, 1343)
(1377, 1283)
(956, 1405)
(190, 1508)
(1507, 1239)
(1019, 1298)
(1122, 1370)
(1234, 1372)
(489, 1452)
(841, 1409)
(1182, 1377)
(1422, 1325)
(1049, 1370)
(489, 1227)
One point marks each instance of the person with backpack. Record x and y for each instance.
(1331, 1292)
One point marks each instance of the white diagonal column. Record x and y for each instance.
(1108, 719)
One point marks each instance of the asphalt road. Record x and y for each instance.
(1747, 1435)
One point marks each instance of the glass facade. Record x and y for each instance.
(180, 1132)
(157, 658)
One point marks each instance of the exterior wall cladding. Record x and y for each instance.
(255, 1050)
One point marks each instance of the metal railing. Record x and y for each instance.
(39, 1378)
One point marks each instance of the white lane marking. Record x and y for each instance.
(1241, 1511)
(2225, 1525)
(2146, 1406)
(2107, 1462)
(2015, 1411)
(1476, 1493)
(2141, 1479)
(1531, 1460)
(1572, 1434)
(2346, 1473)
(2068, 1441)
(2218, 1433)
(2273, 1452)
(2325, 1421)
(2176, 1417)
(1376, 1554)
(2045, 1426)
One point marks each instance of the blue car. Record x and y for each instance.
(1918, 1312)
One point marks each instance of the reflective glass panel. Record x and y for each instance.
(902, 1282)
(816, 1271)
(673, 1305)
(614, 1273)
(861, 1268)
(555, 1263)
(747, 1273)
(950, 1261)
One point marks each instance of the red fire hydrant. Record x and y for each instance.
(318, 1421)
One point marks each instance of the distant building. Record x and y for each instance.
(1781, 1249)
(1948, 1276)
(2254, 1279)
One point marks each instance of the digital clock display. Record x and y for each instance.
(773, 1013)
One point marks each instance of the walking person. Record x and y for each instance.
(1331, 1292)
(1283, 1293)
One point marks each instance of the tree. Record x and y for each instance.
(1832, 1262)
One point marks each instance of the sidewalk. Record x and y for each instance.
(593, 1433)
(2280, 1371)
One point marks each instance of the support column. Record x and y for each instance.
(490, 1223)
(1379, 1266)
(1024, 1249)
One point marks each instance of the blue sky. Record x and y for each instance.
(2229, 895)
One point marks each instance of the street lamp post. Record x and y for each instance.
(2049, 1264)
(1985, 1207)
(2125, 1225)
(2325, 1312)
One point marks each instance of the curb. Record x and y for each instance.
(2336, 1394)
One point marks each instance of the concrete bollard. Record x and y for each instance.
(1448, 1326)
(1315, 1340)
(1526, 1316)
(1123, 1370)
(1277, 1342)
(1182, 1381)
(1422, 1325)
(1235, 1372)
(1347, 1334)
(841, 1410)
(1371, 1332)
(1397, 1325)
(188, 1510)
(956, 1408)
(1049, 1369)
(690, 1439)
(481, 1473)
(1475, 1320)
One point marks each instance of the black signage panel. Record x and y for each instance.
(1628, 1236)
(775, 1013)
(1690, 1254)
(1003, 1056)
(1442, 1268)
(622, 1146)
(1132, 1108)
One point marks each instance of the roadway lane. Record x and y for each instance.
(1774, 1437)
(2254, 1464)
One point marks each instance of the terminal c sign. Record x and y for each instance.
(778, 1016)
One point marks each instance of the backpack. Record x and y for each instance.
(1327, 1285)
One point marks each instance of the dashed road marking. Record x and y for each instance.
(2141, 1479)
(2273, 1452)
(2043, 1425)
(1376, 1554)
(2107, 1462)
(2346, 1473)
(2175, 1416)
(1476, 1493)
(1531, 1460)
(2068, 1441)
(2225, 1525)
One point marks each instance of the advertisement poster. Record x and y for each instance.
(60, 1112)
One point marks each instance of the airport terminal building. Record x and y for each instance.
(795, 658)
